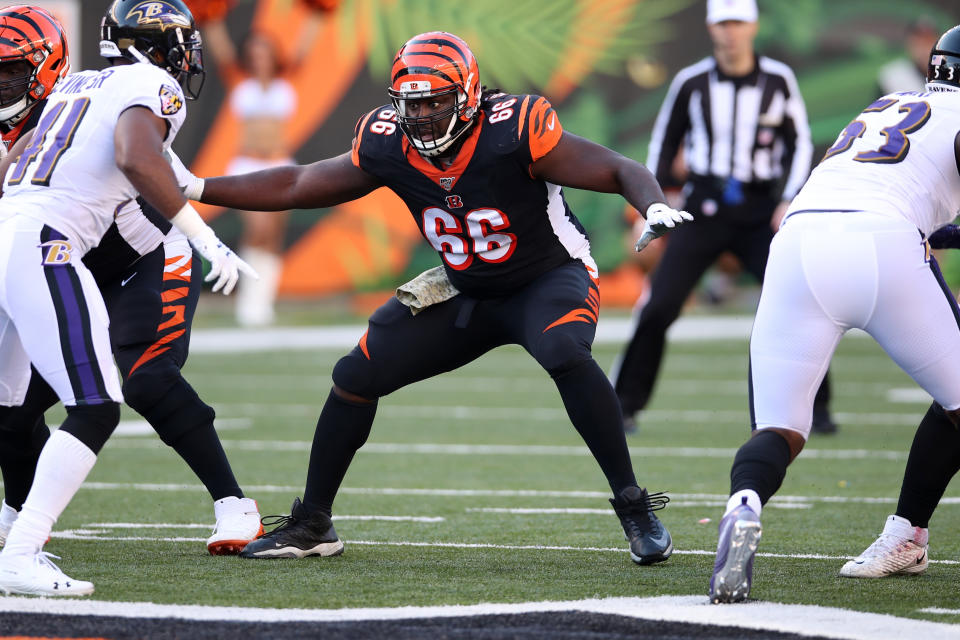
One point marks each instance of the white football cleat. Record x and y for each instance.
(238, 523)
(900, 549)
(8, 515)
(39, 577)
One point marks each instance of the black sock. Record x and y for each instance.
(19, 452)
(343, 427)
(760, 464)
(185, 423)
(933, 461)
(201, 449)
(595, 412)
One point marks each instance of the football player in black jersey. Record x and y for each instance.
(143, 269)
(481, 172)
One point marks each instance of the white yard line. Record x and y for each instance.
(677, 499)
(538, 382)
(95, 531)
(537, 414)
(427, 448)
(801, 619)
(180, 525)
(143, 428)
(939, 610)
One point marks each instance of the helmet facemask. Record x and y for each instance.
(185, 63)
(434, 134)
(16, 79)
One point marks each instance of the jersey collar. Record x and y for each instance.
(464, 155)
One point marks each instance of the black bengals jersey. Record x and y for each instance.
(495, 226)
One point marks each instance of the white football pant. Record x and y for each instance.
(51, 314)
(829, 272)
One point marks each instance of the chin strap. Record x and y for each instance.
(20, 114)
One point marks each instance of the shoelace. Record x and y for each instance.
(885, 543)
(43, 559)
(657, 500)
(640, 514)
(281, 522)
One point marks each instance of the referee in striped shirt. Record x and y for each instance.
(742, 125)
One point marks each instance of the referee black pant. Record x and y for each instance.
(691, 250)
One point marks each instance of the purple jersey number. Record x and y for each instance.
(897, 143)
(59, 143)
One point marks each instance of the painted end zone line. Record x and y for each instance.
(802, 619)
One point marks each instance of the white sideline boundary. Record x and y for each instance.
(687, 328)
(766, 616)
(609, 331)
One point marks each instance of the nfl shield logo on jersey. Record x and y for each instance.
(447, 183)
(170, 100)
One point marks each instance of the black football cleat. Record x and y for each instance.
(650, 541)
(298, 535)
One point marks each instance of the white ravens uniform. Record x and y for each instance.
(852, 253)
(59, 198)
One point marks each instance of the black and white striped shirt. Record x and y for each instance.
(753, 128)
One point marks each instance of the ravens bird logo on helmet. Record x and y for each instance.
(159, 13)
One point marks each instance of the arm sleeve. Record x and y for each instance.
(798, 140)
(668, 131)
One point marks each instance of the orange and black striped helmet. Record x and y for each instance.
(432, 65)
(33, 57)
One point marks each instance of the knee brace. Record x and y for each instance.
(761, 464)
(92, 424)
(559, 352)
(167, 401)
(356, 374)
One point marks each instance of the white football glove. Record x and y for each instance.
(191, 185)
(225, 265)
(659, 219)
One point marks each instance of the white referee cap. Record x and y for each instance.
(742, 10)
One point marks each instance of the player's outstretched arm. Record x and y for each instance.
(322, 184)
(582, 164)
(138, 149)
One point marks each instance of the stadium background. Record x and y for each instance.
(605, 64)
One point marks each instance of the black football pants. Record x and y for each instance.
(553, 318)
